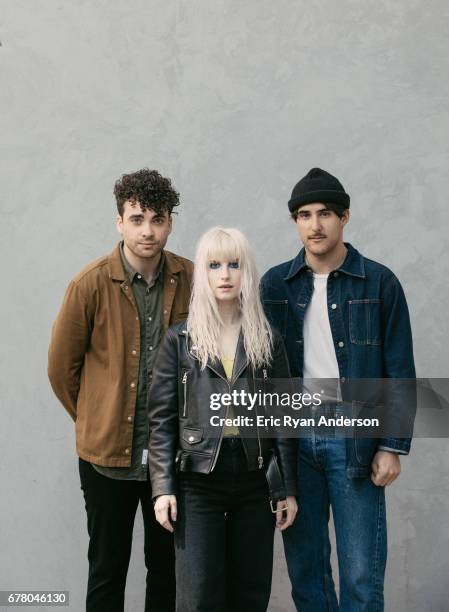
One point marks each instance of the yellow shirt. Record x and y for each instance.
(229, 430)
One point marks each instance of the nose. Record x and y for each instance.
(225, 272)
(147, 230)
(315, 223)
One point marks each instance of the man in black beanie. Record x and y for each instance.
(343, 317)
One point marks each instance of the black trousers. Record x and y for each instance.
(224, 537)
(111, 507)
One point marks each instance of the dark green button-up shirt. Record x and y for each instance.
(148, 298)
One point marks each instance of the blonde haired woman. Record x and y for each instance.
(212, 491)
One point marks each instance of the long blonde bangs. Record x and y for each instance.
(204, 323)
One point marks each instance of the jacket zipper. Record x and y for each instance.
(184, 382)
(217, 448)
(260, 457)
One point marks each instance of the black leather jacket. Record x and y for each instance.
(177, 414)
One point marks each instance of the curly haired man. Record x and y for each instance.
(103, 347)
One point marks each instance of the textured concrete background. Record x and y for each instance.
(235, 101)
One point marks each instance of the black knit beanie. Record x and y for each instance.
(318, 186)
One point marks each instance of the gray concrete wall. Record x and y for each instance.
(235, 101)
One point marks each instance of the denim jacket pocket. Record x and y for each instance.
(365, 322)
(277, 314)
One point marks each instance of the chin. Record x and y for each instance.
(148, 253)
(319, 249)
(226, 298)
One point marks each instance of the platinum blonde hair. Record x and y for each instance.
(204, 323)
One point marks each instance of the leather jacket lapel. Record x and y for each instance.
(240, 360)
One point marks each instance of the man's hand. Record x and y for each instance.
(165, 510)
(385, 467)
(283, 521)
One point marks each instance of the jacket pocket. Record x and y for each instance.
(365, 322)
(192, 435)
(277, 314)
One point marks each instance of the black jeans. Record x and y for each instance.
(111, 508)
(224, 537)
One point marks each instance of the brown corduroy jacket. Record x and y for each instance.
(93, 359)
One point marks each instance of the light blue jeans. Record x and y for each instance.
(358, 509)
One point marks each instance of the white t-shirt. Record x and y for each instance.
(320, 360)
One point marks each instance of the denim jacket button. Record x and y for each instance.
(334, 306)
(335, 273)
(341, 344)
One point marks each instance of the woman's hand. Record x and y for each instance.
(165, 509)
(283, 521)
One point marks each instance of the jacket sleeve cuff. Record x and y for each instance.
(291, 488)
(396, 445)
(162, 488)
(392, 450)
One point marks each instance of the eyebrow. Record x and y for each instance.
(310, 211)
(136, 216)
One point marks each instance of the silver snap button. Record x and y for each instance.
(341, 344)
(191, 438)
(334, 306)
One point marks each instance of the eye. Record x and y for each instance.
(136, 220)
(325, 213)
(214, 265)
(235, 265)
(158, 221)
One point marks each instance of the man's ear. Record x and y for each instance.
(345, 216)
(119, 224)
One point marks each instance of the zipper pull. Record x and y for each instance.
(265, 375)
(184, 378)
(260, 462)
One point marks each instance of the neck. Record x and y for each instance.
(323, 264)
(145, 266)
(230, 313)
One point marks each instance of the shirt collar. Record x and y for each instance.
(132, 273)
(353, 264)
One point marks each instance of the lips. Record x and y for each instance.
(225, 286)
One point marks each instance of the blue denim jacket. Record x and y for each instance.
(370, 327)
